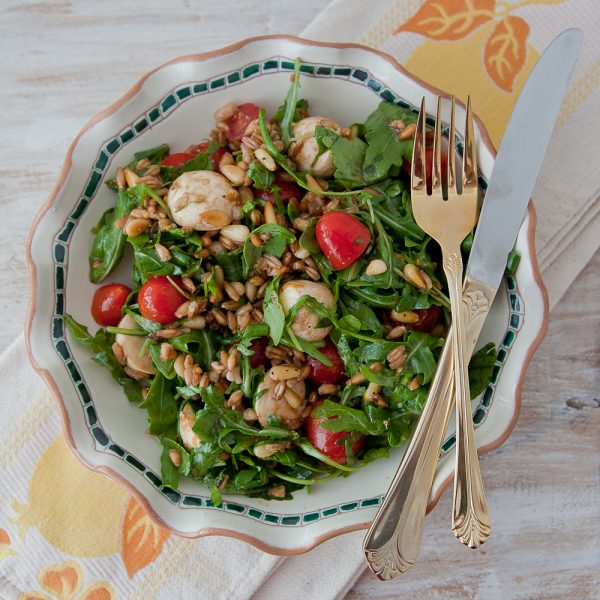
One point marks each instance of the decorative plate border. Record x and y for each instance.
(167, 105)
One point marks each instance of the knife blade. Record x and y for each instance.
(391, 545)
(520, 157)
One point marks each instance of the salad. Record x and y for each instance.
(285, 313)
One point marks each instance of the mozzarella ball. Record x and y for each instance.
(304, 148)
(187, 420)
(132, 347)
(203, 200)
(305, 322)
(266, 405)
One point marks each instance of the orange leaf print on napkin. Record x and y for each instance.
(449, 19)
(505, 51)
(141, 539)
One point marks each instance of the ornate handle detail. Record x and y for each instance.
(392, 543)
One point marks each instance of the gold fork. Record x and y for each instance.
(449, 222)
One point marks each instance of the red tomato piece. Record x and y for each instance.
(287, 190)
(215, 157)
(429, 161)
(177, 159)
(245, 114)
(330, 443)
(107, 303)
(428, 318)
(158, 299)
(342, 238)
(259, 347)
(320, 373)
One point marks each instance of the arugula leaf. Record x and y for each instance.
(161, 406)
(149, 264)
(347, 419)
(384, 149)
(101, 346)
(273, 311)
(261, 176)
(300, 113)
(231, 263)
(154, 155)
(481, 367)
(280, 238)
(164, 366)
(202, 344)
(109, 242)
(290, 106)
(420, 359)
(308, 239)
(204, 458)
(169, 472)
(200, 162)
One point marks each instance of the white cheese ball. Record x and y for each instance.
(132, 347)
(203, 200)
(267, 406)
(304, 148)
(305, 322)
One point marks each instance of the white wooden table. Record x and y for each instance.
(64, 61)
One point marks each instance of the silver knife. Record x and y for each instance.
(392, 543)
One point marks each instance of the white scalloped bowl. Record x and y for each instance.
(175, 104)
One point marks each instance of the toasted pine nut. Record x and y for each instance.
(414, 383)
(121, 181)
(277, 491)
(408, 132)
(167, 352)
(234, 174)
(356, 378)
(119, 353)
(198, 322)
(406, 316)
(163, 252)
(396, 332)
(371, 392)
(131, 177)
(313, 184)
(135, 227)
(376, 267)
(175, 457)
(269, 211)
(178, 365)
(413, 274)
(284, 372)
(249, 415)
(328, 388)
(236, 233)
(376, 367)
(227, 159)
(265, 159)
(293, 399)
(225, 112)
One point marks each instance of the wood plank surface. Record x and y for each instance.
(63, 61)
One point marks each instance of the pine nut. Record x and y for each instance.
(327, 388)
(313, 184)
(119, 353)
(293, 399)
(234, 174)
(198, 322)
(163, 252)
(135, 227)
(300, 224)
(408, 132)
(175, 457)
(277, 492)
(225, 112)
(251, 290)
(265, 159)
(396, 332)
(413, 274)
(131, 178)
(178, 365)
(356, 378)
(246, 194)
(270, 216)
(414, 383)
(236, 233)
(283, 372)
(167, 352)
(371, 392)
(249, 415)
(376, 367)
(376, 267)
(406, 316)
(227, 159)
(121, 181)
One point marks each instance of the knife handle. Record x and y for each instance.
(392, 543)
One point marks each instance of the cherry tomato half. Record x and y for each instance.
(342, 238)
(287, 190)
(177, 159)
(429, 161)
(428, 318)
(245, 114)
(330, 443)
(320, 373)
(158, 299)
(107, 303)
(259, 347)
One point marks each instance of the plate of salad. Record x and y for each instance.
(234, 306)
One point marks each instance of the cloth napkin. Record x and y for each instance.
(70, 534)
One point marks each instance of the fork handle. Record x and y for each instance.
(392, 543)
(470, 517)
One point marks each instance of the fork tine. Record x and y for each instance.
(418, 171)
(452, 153)
(436, 174)
(469, 175)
